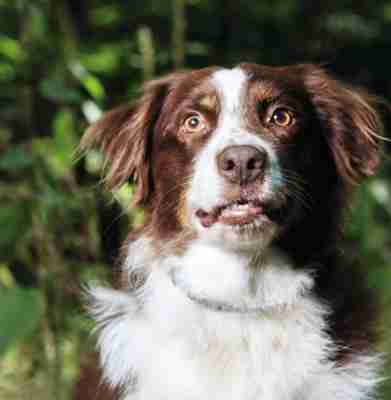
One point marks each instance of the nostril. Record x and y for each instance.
(255, 163)
(251, 164)
(229, 165)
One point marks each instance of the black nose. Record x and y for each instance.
(241, 164)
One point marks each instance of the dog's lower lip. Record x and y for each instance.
(206, 219)
(240, 215)
(237, 213)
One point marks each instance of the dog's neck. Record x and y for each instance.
(226, 280)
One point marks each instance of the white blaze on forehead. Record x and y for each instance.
(230, 85)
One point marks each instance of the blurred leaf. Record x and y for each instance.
(89, 81)
(387, 11)
(381, 282)
(104, 59)
(56, 153)
(5, 136)
(15, 221)
(15, 158)
(20, 313)
(351, 24)
(7, 72)
(93, 86)
(11, 49)
(57, 90)
(380, 189)
(38, 22)
(106, 15)
(65, 141)
(124, 195)
(94, 162)
(91, 111)
(138, 218)
(197, 48)
(6, 278)
(147, 49)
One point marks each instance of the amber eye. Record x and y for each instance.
(282, 117)
(194, 123)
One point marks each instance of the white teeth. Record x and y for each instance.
(238, 213)
(236, 209)
(236, 206)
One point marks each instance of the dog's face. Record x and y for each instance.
(239, 156)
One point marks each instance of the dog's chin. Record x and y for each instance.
(238, 224)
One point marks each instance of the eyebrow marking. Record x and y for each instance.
(209, 102)
(265, 93)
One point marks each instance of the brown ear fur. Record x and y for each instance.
(353, 125)
(124, 135)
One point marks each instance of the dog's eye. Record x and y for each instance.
(194, 123)
(282, 117)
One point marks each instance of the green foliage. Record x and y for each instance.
(16, 158)
(15, 220)
(61, 63)
(20, 313)
(57, 90)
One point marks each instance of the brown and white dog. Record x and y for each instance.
(235, 287)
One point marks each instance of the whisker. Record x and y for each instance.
(296, 188)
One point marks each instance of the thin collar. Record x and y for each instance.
(213, 304)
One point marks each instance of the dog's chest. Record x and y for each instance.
(230, 357)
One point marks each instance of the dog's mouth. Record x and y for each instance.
(239, 212)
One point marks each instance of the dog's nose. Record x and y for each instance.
(241, 164)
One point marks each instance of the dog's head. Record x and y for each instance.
(241, 156)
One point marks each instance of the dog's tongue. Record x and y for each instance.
(240, 214)
(236, 214)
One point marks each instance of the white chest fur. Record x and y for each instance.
(178, 346)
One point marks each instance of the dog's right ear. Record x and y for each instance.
(124, 135)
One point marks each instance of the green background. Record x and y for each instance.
(63, 62)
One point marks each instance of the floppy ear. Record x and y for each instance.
(353, 127)
(124, 135)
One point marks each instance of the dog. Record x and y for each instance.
(236, 286)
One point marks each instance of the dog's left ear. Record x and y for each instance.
(353, 127)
